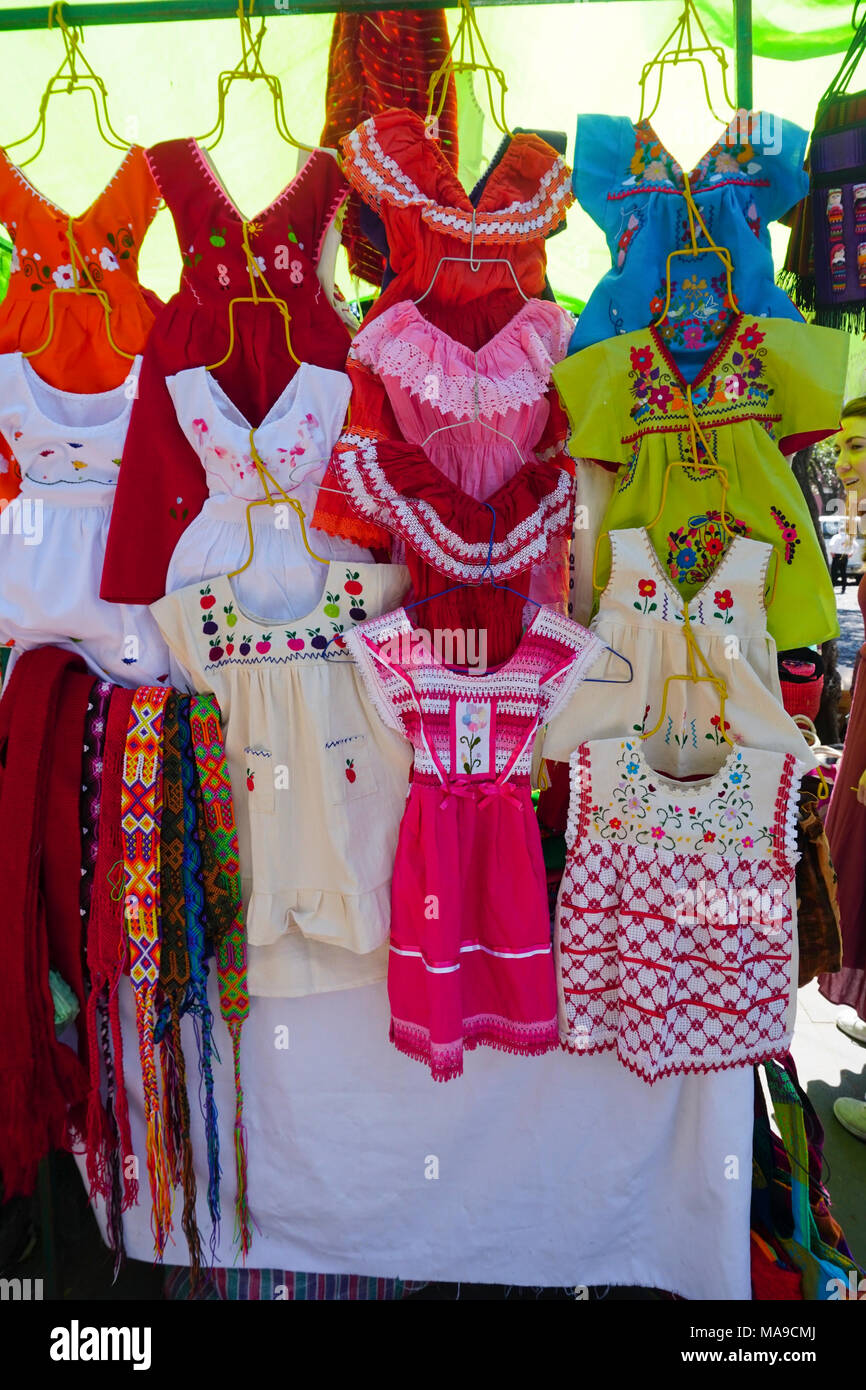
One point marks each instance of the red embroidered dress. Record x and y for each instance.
(404, 175)
(677, 910)
(470, 959)
(162, 484)
(447, 534)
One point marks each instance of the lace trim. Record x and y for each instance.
(355, 460)
(380, 177)
(580, 796)
(445, 1060)
(54, 207)
(468, 390)
(787, 810)
(376, 681)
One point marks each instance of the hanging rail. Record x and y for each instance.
(162, 11)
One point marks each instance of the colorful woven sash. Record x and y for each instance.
(174, 979)
(231, 950)
(106, 953)
(101, 1134)
(196, 931)
(140, 813)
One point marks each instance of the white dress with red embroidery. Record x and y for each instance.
(471, 959)
(676, 917)
(642, 615)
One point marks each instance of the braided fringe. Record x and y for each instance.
(113, 1200)
(157, 1157)
(121, 1105)
(171, 1106)
(187, 1168)
(243, 1233)
(99, 1135)
(206, 1052)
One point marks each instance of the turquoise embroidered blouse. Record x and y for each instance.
(633, 188)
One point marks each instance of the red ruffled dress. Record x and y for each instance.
(162, 486)
(447, 534)
(404, 175)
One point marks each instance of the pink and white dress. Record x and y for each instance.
(676, 919)
(471, 959)
(501, 396)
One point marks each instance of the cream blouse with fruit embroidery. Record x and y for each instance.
(319, 784)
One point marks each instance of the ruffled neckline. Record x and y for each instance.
(512, 369)
(392, 157)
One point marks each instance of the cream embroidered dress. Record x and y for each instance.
(642, 615)
(319, 784)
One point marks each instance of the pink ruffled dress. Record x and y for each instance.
(500, 396)
(470, 960)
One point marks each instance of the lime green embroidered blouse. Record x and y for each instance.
(768, 380)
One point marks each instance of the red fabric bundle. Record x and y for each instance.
(41, 731)
(379, 60)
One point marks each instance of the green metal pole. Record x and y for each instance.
(160, 11)
(743, 50)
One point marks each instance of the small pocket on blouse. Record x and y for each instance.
(350, 773)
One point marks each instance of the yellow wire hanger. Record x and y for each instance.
(251, 69)
(67, 79)
(84, 283)
(711, 248)
(273, 493)
(681, 46)
(257, 278)
(461, 57)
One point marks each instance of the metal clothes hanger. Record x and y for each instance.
(680, 46)
(270, 500)
(463, 45)
(475, 263)
(475, 420)
(251, 69)
(466, 35)
(807, 728)
(724, 255)
(256, 275)
(68, 79)
(504, 588)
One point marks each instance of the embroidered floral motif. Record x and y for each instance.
(475, 721)
(642, 813)
(694, 550)
(717, 735)
(646, 588)
(789, 533)
(698, 314)
(737, 380)
(724, 601)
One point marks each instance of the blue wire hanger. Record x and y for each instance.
(488, 569)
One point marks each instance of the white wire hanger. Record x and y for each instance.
(475, 263)
(475, 419)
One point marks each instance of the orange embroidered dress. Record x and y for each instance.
(49, 250)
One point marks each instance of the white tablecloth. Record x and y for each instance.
(554, 1170)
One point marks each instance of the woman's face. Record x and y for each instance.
(850, 445)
